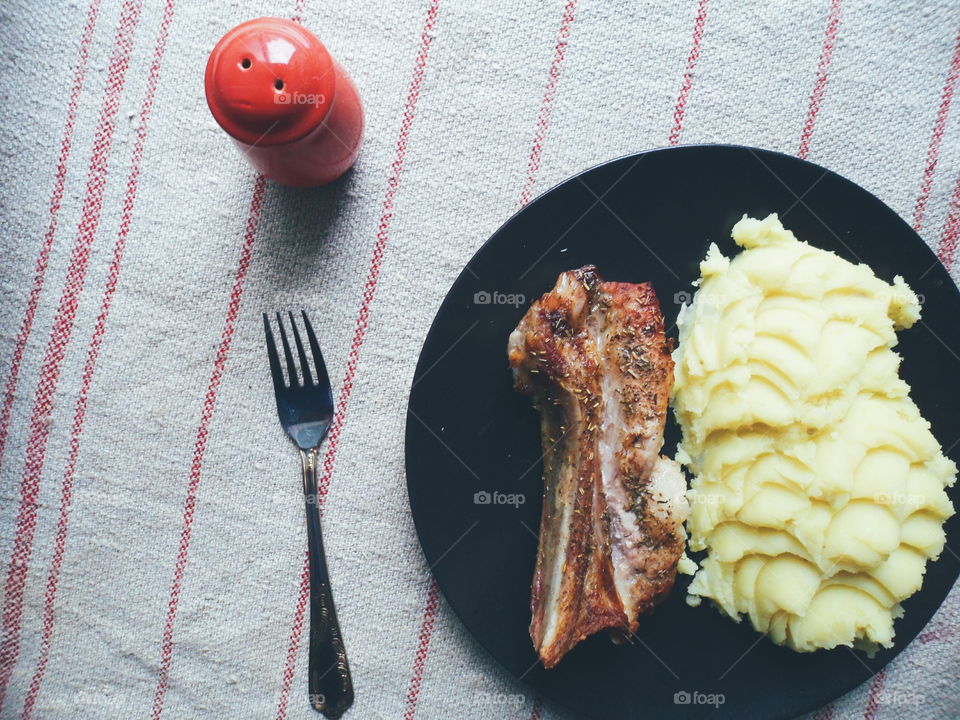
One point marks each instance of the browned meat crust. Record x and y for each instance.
(594, 358)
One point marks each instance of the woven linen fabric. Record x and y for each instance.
(151, 528)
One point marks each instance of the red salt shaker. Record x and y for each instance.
(288, 105)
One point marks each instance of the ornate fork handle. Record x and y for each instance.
(330, 685)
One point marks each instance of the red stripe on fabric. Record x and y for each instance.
(938, 634)
(936, 138)
(526, 194)
(680, 109)
(363, 316)
(875, 689)
(548, 101)
(824, 713)
(678, 115)
(296, 632)
(89, 368)
(59, 339)
(806, 135)
(820, 86)
(423, 649)
(298, 9)
(46, 245)
(200, 445)
(926, 184)
(951, 229)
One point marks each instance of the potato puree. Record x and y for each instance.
(819, 488)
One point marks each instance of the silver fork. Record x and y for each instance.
(305, 407)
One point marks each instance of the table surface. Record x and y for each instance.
(149, 503)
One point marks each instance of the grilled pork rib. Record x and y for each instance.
(594, 359)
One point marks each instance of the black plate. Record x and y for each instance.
(468, 432)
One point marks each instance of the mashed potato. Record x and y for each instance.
(819, 489)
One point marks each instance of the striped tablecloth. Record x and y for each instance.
(151, 528)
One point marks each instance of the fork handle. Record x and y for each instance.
(328, 674)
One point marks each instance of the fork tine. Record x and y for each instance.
(275, 370)
(304, 363)
(323, 380)
(291, 368)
